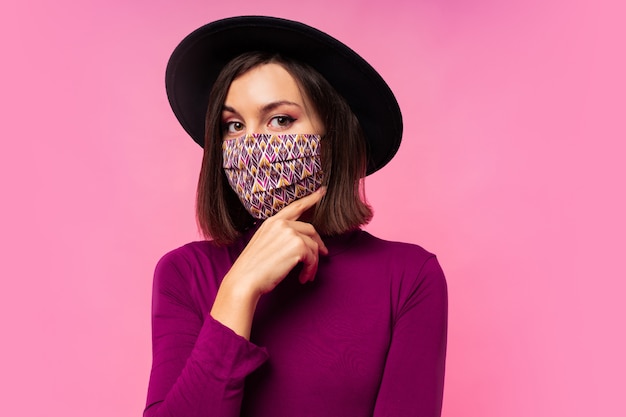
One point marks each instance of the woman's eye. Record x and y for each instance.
(233, 127)
(281, 121)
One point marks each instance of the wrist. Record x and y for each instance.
(239, 291)
(234, 307)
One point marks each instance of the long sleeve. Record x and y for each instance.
(199, 366)
(412, 383)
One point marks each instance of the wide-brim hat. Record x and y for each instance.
(199, 58)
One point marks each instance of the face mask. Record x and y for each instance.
(268, 172)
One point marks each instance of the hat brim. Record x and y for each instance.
(199, 58)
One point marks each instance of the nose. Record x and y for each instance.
(257, 126)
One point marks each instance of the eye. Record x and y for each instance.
(231, 128)
(281, 122)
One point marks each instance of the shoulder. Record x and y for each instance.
(191, 260)
(393, 246)
(408, 255)
(408, 265)
(189, 254)
(414, 276)
(191, 274)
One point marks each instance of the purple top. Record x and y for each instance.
(366, 338)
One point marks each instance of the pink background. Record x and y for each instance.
(511, 170)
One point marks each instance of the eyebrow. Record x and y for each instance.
(266, 108)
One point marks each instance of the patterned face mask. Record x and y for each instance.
(268, 172)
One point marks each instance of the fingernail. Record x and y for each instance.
(322, 190)
(324, 250)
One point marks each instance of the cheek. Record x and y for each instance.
(317, 125)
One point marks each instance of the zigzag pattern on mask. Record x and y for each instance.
(270, 171)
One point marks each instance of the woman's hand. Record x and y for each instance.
(280, 243)
(278, 246)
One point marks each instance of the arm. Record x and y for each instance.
(280, 243)
(200, 361)
(412, 383)
(199, 365)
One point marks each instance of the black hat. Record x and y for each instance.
(198, 59)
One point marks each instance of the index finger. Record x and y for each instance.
(294, 210)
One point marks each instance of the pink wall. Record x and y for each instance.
(511, 171)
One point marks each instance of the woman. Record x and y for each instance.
(290, 309)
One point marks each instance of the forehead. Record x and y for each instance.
(265, 82)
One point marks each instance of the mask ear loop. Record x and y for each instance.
(326, 154)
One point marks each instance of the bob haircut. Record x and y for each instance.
(222, 217)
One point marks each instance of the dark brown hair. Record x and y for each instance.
(220, 214)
